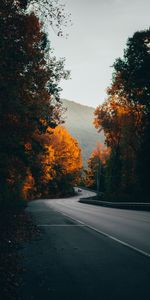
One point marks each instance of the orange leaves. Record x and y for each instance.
(28, 147)
(97, 161)
(67, 152)
(48, 164)
(114, 116)
(29, 102)
(62, 153)
(101, 152)
(28, 186)
(121, 121)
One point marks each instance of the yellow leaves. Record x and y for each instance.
(101, 152)
(63, 155)
(60, 162)
(115, 115)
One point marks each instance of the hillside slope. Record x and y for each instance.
(79, 122)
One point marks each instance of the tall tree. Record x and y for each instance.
(125, 118)
(132, 73)
(131, 79)
(94, 174)
(29, 80)
(62, 162)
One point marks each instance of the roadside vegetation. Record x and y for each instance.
(125, 119)
(30, 105)
(38, 157)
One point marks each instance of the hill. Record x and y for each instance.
(79, 122)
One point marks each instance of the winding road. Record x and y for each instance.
(129, 227)
(86, 252)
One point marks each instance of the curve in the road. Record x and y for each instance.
(127, 227)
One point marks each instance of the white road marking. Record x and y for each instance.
(60, 225)
(107, 235)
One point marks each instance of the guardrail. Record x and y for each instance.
(124, 205)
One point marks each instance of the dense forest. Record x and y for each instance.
(32, 161)
(60, 248)
(39, 158)
(125, 119)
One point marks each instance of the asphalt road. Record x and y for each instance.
(127, 226)
(80, 253)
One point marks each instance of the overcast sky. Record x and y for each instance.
(98, 36)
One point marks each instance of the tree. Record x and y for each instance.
(133, 72)
(125, 117)
(51, 13)
(29, 96)
(94, 174)
(122, 127)
(62, 162)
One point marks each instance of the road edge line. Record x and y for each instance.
(139, 251)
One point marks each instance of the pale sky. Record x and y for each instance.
(98, 36)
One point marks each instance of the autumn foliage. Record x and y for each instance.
(61, 165)
(96, 167)
(62, 161)
(124, 118)
(29, 103)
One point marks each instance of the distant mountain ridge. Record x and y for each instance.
(79, 122)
